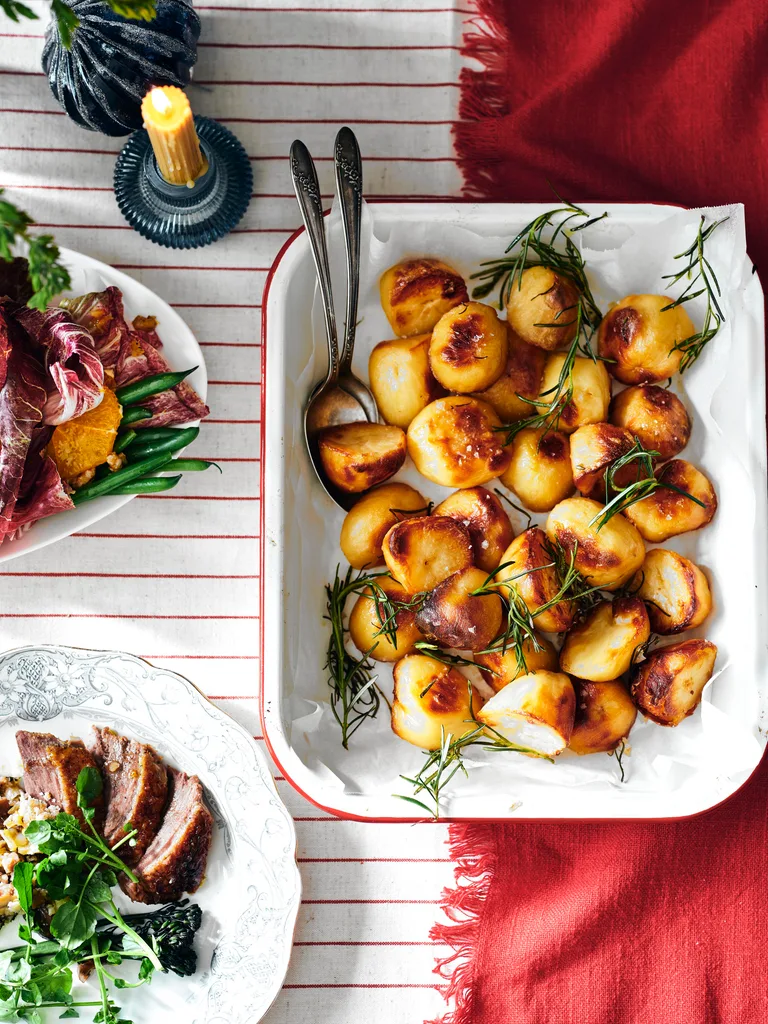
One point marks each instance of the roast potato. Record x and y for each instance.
(541, 308)
(357, 456)
(455, 442)
(604, 716)
(369, 614)
(499, 668)
(655, 416)
(639, 336)
(591, 391)
(422, 718)
(531, 574)
(601, 647)
(453, 617)
(468, 351)
(539, 470)
(420, 553)
(667, 686)
(676, 591)
(666, 513)
(521, 377)
(416, 293)
(594, 447)
(535, 711)
(483, 515)
(369, 519)
(607, 558)
(401, 380)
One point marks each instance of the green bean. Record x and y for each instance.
(123, 440)
(156, 433)
(134, 415)
(179, 439)
(148, 485)
(192, 465)
(129, 394)
(134, 471)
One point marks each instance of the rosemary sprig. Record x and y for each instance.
(618, 753)
(438, 654)
(517, 508)
(641, 651)
(643, 486)
(699, 271)
(47, 275)
(66, 19)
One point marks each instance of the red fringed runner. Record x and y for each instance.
(657, 923)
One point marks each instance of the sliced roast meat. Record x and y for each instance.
(175, 860)
(135, 790)
(51, 768)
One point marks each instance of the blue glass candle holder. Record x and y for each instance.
(180, 216)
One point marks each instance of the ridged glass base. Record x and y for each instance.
(177, 216)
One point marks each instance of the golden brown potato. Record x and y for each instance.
(535, 711)
(667, 686)
(607, 558)
(468, 351)
(521, 377)
(369, 519)
(604, 716)
(654, 415)
(676, 591)
(454, 442)
(539, 471)
(453, 617)
(591, 391)
(357, 456)
(601, 647)
(593, 448)
(432, 700)
(542, 308)
(483, 515)
(416, 293)
(640, 339)
(368, 616)
(420, 553)
(531, 574)
(499, 668)
(666, 513)
(401, 380)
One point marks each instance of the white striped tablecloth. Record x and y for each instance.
(174, 577)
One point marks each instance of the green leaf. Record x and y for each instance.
(109, 877)
(22, 883)
(19, 971)
(38, 832)
(146, 970)
(138, 10)
(66, 21)
(14, 9)
(69, 1014)
(97, 890)
(73, 924)
(89, 787)
(30, 1015)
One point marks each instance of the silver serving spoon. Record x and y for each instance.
(330, 403)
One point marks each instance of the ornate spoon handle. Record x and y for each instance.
(349, 188)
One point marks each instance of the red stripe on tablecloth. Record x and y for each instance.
(316, 120)
(311, 46)
(336, 10)
(127, 227)
(232, 421)
(367, 942)
(237, 383)
(194, 497)
(202, 657)
(346, 903)
(373, 860)
(171, 536)
(256, 158)
(132, 575)
(234, 696)
(366, 984)
(216, 305)
(229, 344)
(321, 85)
(167, 266)
(101, 615)
(16, 110)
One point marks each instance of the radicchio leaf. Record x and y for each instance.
(45, 497)
(101, 313)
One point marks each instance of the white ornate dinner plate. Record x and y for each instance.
(180, 348)
(251, 893)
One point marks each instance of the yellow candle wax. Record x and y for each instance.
(168, 120)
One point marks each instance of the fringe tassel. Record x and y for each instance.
(473, 848)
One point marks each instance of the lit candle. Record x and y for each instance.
(168, 119)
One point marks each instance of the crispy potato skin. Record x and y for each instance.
(365, 622)
(539, 471)
(543, 297)
(607, 557)
(401, 380)
(468, 351)
(654, 415)
(454, 442)
(593, 448)
(357, 456)
(666, 513)
(483, 515)
(667, 686)
(453, 617)
(604, 716)
(536, 706)
(591, 391)
(601, 647)
(418, 719)
(521, 376)
(366, 523)
(498, 669)
(640, 338)
(422, 552)
(676, 591)
(416, 293)
(527, 553)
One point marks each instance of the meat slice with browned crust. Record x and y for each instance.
(135, 790)
(175, 861)
(51, 768)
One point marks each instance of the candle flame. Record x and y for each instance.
(160, 101)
